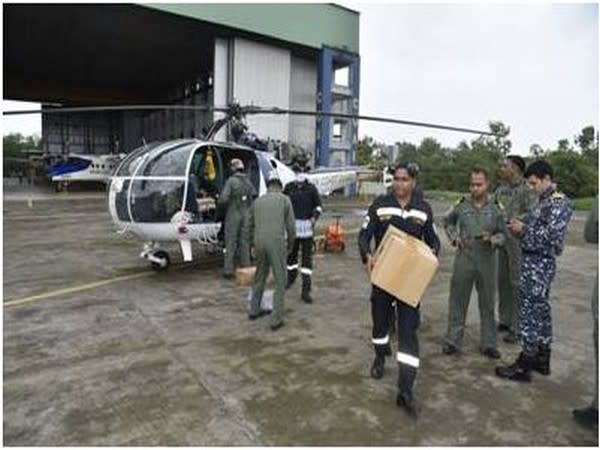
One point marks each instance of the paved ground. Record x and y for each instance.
(171, 359)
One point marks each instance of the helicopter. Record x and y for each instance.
(168, 191)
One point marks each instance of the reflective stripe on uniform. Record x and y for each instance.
(293, 267)
(305, 271)
(381, 341)
(392, 211)
(407, 359)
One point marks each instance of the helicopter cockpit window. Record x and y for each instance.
(158, 188)
(133, 159)
(171, 162)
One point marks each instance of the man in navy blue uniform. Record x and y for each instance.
(307, 209)
(405, 210)
(542, 241)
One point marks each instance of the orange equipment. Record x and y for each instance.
(335, 237)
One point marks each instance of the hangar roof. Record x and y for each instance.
(310, 24)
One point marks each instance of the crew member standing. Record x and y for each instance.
(307, 209)
(542, 241)
(475, 226)
(411, 214)
(238, 194)
(517, 200)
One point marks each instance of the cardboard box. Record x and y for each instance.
(404, 266)
(244, 276)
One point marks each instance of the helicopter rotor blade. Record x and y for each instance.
(236, 110)
(257, 110)
(84, 109)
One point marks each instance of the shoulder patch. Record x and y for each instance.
(556, 195)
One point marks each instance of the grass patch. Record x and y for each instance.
(583, 204)
(449, 196)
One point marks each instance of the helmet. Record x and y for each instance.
(237, 164)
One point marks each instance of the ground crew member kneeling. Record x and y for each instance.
(475, 226)
(411, 214)
(237, 196)
(271, 233)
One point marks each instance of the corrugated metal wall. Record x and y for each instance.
(261, 76)
(303, 95)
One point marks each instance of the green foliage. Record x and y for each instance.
(364, 151)
(15, 143)
(447, 169)
(584, 203)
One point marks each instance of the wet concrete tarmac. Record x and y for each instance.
(171, 359)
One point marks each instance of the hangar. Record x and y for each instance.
(297, 56)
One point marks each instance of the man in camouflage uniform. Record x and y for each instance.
(517, 200)
(475, 226)
(271, 227)
(542, 240)
(237, 197)
(588, 416)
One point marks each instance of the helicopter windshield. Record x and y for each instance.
(132, 160)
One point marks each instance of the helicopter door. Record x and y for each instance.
(248, 157)
(205, 180)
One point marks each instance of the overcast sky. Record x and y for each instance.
(532, 66)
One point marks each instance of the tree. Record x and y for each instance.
(564, 146)
(586, 140)
(536, 150)
(364, 151)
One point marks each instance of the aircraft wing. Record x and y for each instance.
(328, 180)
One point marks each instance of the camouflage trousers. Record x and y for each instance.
(535, 312)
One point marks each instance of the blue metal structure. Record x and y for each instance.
(343, 99)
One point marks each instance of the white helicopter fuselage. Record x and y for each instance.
(156, 201)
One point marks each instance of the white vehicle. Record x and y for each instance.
(169, 191)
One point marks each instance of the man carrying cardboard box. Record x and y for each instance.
(413, 215)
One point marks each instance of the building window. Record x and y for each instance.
(342, 76)
(337, 130)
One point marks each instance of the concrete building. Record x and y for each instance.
(296, 56)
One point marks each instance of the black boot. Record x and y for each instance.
(520, 370)
(405, 400)
(377, 367)
(306, 289)
(291, 277)
(542, 362)
(588, 417)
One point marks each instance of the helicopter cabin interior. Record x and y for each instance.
(155, 181)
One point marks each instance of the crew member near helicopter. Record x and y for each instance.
(407, 211)
(307, 209)
(237, 196)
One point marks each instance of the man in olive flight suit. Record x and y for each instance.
(237, 196)
(271, 232)
(475, 226)
(517, 200)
